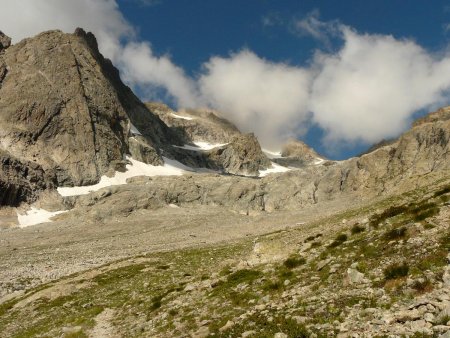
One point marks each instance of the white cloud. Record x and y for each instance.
(371, 88)
(140, 68)
(117, 39)
(261, 96)
(311, 25)
(368, 90)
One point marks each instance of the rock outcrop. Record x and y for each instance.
(5, 41)
(64, 109)
(66, 119)
(417, 158)
(196, 124)
(240, 154)
(20, 181)
(297, 154)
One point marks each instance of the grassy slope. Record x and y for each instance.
(280, 287)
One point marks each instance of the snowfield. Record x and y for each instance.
(36, 216)
(181, 117)
(272, 154)
(136, 168)
(276, 168)
(201, 146)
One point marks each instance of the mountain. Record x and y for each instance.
(120, 218)
(64, 109)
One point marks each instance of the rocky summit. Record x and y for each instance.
(121, 218)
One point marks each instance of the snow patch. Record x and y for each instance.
(276, 168)
(200, 146)
(181, 117)
(272, 154)
(318, 161)
(136, 168)
(134, 130)
(36, 216)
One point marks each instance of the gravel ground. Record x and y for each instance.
(37, 254)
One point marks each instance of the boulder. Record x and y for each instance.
(242, 156)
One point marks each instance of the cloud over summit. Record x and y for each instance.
(366, 90)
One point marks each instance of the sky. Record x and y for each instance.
(339, 75)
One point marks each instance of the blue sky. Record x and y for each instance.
(193, 31)
(340, 75)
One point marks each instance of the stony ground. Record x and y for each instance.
(380, 269)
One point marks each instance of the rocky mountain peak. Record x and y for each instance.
(295, 153)
(64, 108)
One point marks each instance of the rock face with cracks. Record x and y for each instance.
(64, 110)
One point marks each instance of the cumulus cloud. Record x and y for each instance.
(367, 90)
(261, 96)
(371, 88)
(117, 39)
(140, 67)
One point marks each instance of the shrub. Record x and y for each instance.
(388, 213)
(156, 303)
(423, 286)
(272, 286)
(309, 238)
(420, 212)
(243, 276)
(443, 320)
(293, 261)
(445, 198)
(429, 226)
(341, 238)
(173, 312)
(395, 271)
(316, 244)
(396, 233)
(356, 229)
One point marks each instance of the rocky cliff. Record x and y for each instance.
(64, 110)
(417, 158)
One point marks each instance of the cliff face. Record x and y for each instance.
(64, 108)
(418, 158)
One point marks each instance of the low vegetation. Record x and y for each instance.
(219, 290)
(395, 271)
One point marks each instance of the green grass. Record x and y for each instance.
(443, 320)
(393, 211)
(243, 276)
(264, 328)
